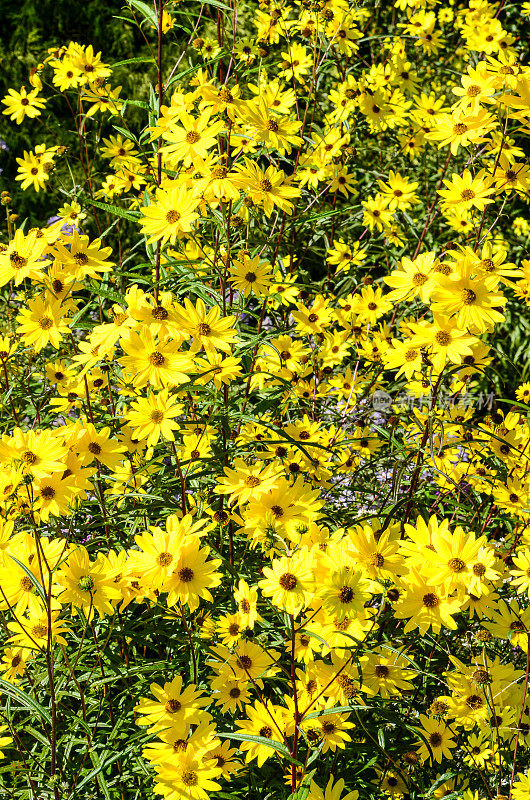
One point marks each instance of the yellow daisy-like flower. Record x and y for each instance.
(190, 141)
(437, 740)
(171, 215)
(472, 304)
(248, 275)
(22, 104)
(42, 323)
(266, 188)
(155, 362)
(22, 258)
(467, 191)
(87, 585)
(289, 582)
(152, 417)
(207, 328)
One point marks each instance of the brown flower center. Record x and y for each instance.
(288, 581)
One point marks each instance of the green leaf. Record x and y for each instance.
(101, 766)
(146, 11)
(25, 700)
(248, 737)
(132, 216)
(32, 578)
(337, 710)
(217, 4)
(116, 298)
(140, 60)
(100, 776)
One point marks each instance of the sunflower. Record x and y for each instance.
(264, 720)
(192, 576)
(386, 672)
(437, 740)
(173, 707)
(22, 258)
(152, 417)
(288, 582)
(34, 631)
(343, 592)
(85, 258)
(473, 304)
(465, 191)
(157, 362)
(229, 692)
(426, 606)
(266, 188)
(87, 585)
(248, 275)
(22, 104)
(171, 215)
(190, 141)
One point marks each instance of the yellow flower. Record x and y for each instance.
(189, 777)
(220, 369)
(425, 605)
(437, 740)
(41, 453)
(521, 787)
(89, 64)
(22, 104)
(275, 131)
(87, 585)
(103, 98)
(267, 187)
(42, 323)
(248, 275)
(370, 304)
(406, 355)
(377, 215)
(99, 446)
(333, 791)
(192, 576)
(66, 75)
(34, 632)
(246, 598)
(343, 592)
(22, 258)
(296, 63)
(521, 573)
(171, 215)
(152, 417)
(328, 730)
(246, 481)
(155, 362)
(33, 170)
(400, 192)
(465, 191)
(289, 582)
(414, 278)
(53, 495)
(264, 720)
(444, 341)
(173, 707)
(84, 258)
(477, 87)
(207, 328)
(473, 304)
(386, 672)
(189, 142)
(461, 129)
(231, 693)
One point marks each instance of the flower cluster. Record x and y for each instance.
(225, 566)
